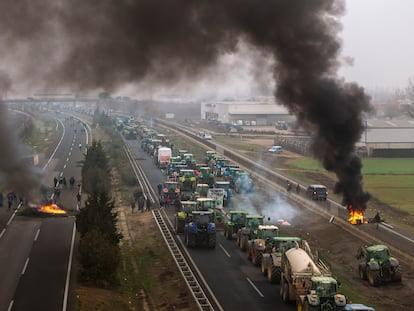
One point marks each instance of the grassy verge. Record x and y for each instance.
(43, 134)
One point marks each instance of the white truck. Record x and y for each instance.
(163, 157)
(217, 194)
(308, 283)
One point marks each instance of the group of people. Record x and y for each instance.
(142, 203)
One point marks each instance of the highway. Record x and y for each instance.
(233, 280)
(36, 251)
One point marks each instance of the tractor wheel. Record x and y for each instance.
(374, 278)
(263, 268)
(212, 241)
(396, 277)
(273, 275)
(259, 258)
(243, 243)
(190, 240)
(362, 272)
(284, 291)
(307, 307)
(254, 257)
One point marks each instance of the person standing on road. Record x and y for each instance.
(78, 198)
(148, 204)
(141, 203)
(132, 206)
(377, 219)
(159, 186)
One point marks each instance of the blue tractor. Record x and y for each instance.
(200, 230)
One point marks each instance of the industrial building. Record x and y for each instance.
(262, 112)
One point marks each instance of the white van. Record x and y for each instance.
(275, 149)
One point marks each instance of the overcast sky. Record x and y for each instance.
(378, 35)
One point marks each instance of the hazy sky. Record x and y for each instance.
(378, 35)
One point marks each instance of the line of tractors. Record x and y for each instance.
(202, 197)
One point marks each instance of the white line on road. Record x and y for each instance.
(10, 305)
(397, 233)
(25, 265)
(70, 153)
(2, 232)
(11, 218)
(67, 159)
(65, 297)
(255, 288)
(64, 166)
(224, 250)
(37, 235)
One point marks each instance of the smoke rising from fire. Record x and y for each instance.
(15, 174)
(106, 44)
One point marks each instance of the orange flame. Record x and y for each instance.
(356, 217)
(51, 209)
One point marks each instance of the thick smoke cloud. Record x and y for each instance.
(106, 44)
(15, 174)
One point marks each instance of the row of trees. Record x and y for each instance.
(99, 252)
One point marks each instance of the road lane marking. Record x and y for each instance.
(64, 166)
(25, 265)
(11, 218)
(10, 305)
(255, 288)
(65, 297)
(37, 235)
(397, 233)
(2, 232)
(67, 159)
(224, 250)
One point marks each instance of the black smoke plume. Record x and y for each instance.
(105, 44)
(16, 174)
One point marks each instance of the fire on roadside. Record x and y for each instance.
(356, 217)
(51, 209)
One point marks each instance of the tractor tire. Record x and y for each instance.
(374, 278)
(274, 274)
(307, 307)
(362, 272)
(256, 258)
(263, 268)
(243, 243)
(284, 291)
(396, 276)
(212, 241)
(190, 241)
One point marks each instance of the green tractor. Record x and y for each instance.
(261, 243)
(249, 231)
(271, 261)
(237, 221)
(377, 265)
(205, 176)
(184, 215)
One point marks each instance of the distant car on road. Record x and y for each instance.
(317, 192)
(207, 136)
(275, 149)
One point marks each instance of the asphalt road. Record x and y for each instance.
(236, 283)
(35, 251)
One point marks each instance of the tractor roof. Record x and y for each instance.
(254, 216)
(188, 202)
(286, 238)
(324, 279)
(238, 212)
(202, 212)
(376, 248)
(204, 199)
